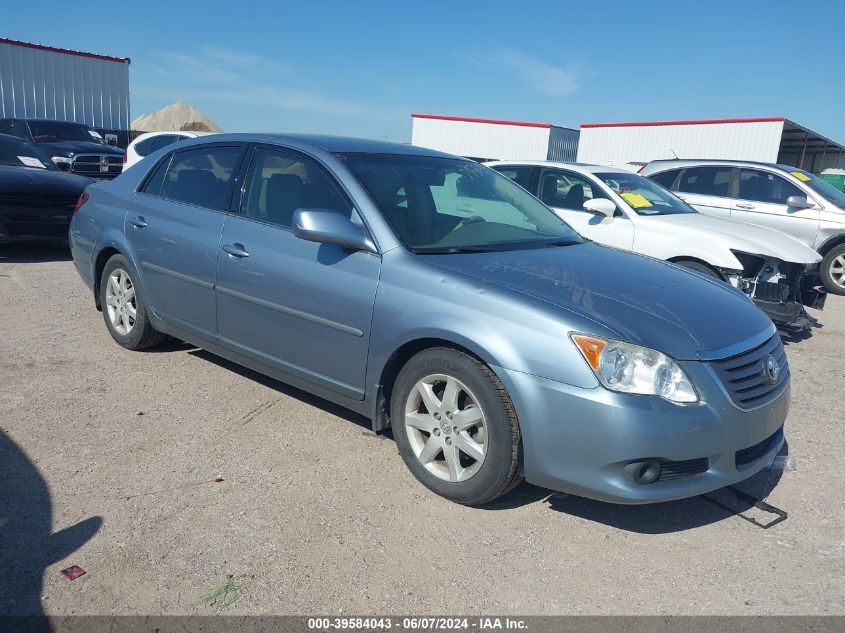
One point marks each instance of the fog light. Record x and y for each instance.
(642, 473)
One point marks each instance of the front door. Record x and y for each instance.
(174, 227)
(300, 307)
(761, 200)
(566, 192)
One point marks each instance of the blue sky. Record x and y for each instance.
(362, 67)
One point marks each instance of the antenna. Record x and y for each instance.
(674, 154)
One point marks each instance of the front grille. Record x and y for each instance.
(38, 201)
(92, 165)
(745, 376)
(753, 453)
(681, 470)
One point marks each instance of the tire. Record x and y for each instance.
(467, 448)
(119, 297)
(699, 267)
(832, 270)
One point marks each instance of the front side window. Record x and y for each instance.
(278, 184)
(566, 190)
(706, 181)
(820, 186)
(201, 176)
(762, 186)
(644, 196)
(520, 175)
(449, 205)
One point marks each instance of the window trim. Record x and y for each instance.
(236, 171)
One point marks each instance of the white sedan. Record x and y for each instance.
(618, 208)
(148, 142)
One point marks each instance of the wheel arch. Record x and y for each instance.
(831, 243)
(400, 356)
(103, 256)
(689, 258)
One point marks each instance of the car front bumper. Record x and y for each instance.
(581, 440)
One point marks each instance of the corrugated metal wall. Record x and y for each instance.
(487, 141)
(563, 144)
(46, 84)
(620, 145)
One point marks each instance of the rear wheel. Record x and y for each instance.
(456, 427)
(124, 310)
(832, 270)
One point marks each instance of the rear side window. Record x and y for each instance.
(156, 179)
(665, 179)
(520, 175)
(707, 181)
(163, 141)
(143, 148)
(761, 186)
(201, 176)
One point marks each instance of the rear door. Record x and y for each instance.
(566, 192)
(300, 307)
(174, 228)
(761, 199)
(706, 188)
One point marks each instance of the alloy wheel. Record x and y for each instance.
(121, 304)
(446, 427)
(837, 270)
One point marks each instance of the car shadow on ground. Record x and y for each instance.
(741, 500)
(293, 392)
(34, 253)
(27, 542)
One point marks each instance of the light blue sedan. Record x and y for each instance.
(441, 300)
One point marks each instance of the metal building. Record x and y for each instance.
(770, 140)
(44, 82)
(488, 139)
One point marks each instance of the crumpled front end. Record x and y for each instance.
(781, 289)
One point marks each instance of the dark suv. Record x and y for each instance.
(73, 147)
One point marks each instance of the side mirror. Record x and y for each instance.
(600, 206)
(799, 202)
(329, 227)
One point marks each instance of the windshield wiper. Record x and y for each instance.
(451, 250)
(563, 242)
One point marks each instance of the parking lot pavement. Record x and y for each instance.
(108, 461)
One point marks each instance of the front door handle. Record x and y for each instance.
(236, 250)
(745, 206)
(139, 222)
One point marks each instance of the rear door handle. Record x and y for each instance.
(745, 206)
(139, 222)
(236, 250)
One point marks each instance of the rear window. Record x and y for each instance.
(201, 176)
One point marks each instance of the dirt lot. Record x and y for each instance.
(108, 460)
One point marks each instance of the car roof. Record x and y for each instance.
(690, 162)
(330, 144)
(584, 168)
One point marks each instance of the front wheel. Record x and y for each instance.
(456, 427)
(832, 270)
(124, 310)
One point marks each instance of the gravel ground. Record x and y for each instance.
(108, 460)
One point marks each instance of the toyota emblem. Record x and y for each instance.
(771, 369)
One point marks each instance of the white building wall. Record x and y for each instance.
(641, 143)
(481, 140)
(46, 84)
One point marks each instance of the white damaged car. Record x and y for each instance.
(618, 208)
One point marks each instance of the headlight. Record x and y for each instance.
(633, 369)
(62, 159)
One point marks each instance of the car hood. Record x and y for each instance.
(641, 300)
(70, 148)
(36, 180)
(741, 236)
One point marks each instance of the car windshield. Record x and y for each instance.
(644, 196)
(52, 131)
(17, 153)
(822, 187)
(450, 205)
